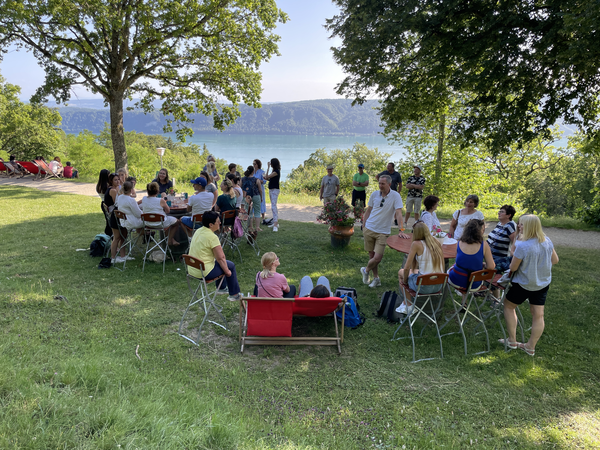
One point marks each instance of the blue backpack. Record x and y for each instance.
(352, 318)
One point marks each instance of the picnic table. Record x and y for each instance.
(403, 246)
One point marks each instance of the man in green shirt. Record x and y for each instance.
(360, 181)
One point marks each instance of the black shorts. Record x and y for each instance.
(517, 295)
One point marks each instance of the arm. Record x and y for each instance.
(215, 199)
(554, 258)
(410, 259)
(487, 256)
(366, 214)
(113, 194)
(514, 264)
(453, 225)
(259, 189)
(337, 188)
(355, 183)
(221, 260)
(400, 220)
(165, 207)
(321, 192)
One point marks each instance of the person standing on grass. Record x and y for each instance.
(330, 186)
(360, 181)
(396, 184)
(260, 174)
(532, 262)
(383, 205)
(415, 185)
(274, 166)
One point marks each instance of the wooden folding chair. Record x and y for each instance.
(44, 169)
(202, 294)
(127, 234)
(425, 306)
(154, 223)
(196, 219)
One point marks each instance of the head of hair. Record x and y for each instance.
(258, 163)
(510, 210)
(232, 166)
(430, 201)
(152, 188)
(227, 187)
(249, 171)
(68, 163)
(275, 164)
(386, 178)
(102, 184)
(393, 165)
(473, 232)
(111, 179)
(132, 179)
(210, 167)
(473, 197)
(206, 175)
(421, 233)
(166, 174)
(57, 158)
(210, 158)
(127, 187)
(13, 158)
(319, 291)
(532, 227)
(123, 170)
(267, 261)
(233, 177)
(209, 218)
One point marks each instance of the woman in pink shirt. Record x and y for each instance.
(269, 283)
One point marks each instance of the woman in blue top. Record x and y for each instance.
(471, 251)
(533, 258)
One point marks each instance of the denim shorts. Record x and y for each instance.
(413, 284)
(502, 263)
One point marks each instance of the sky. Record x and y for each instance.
(304, 71)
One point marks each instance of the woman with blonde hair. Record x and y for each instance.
(269, 283)
(424, 257)
(533, 258)
(226, 201)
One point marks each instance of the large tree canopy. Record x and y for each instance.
(517, 66)
(192, 55)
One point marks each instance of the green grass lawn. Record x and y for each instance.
(70, 378)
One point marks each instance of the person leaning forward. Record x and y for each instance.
(383, 205)
(360, 181)
(330, 186)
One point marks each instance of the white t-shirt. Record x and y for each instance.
(129, 206)
(201, 202)
(382, 211)
(240, 196)
(53, 165)
(430, 219)
(463, 219)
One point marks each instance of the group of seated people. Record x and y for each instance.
(15, 168)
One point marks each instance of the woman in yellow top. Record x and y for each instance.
(206, 247)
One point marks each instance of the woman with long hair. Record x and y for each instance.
(269, 283)
(461, 217)
(110, 199)
(424, 257)
(274, 178)
(239, 194)
(252, 195)
(163, 181)
(102, 184)
(533, 258)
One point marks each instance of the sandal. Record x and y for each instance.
(526, 349)
(509, 345)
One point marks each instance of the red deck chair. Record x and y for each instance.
(30, 167)
(44, 169)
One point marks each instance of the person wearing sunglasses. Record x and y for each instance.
(383, 205)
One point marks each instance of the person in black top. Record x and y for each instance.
(163, 182)
(273, 186)
(396, 184)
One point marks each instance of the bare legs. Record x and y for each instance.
(374, 260)
(537, 326)
(116, 243)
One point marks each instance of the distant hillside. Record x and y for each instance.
(313, 117)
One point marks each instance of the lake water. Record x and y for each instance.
(291, 151)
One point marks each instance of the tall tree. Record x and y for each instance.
(522, 65)
(192, 55)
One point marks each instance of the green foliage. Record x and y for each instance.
(340, 213)
(27, 130)
(306, 178)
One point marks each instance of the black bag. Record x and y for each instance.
(390, 300)
(341, 291)
(105, 263)
(98, 245)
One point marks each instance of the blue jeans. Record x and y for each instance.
(414, 285)
(232, 282)
(502, 263)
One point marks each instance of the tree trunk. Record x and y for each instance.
(440, 153)
(116, 132)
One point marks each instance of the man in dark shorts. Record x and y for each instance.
(360, 181)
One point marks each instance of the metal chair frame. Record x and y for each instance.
(247, 236)
(227, 239)
(418, 309)
(202, 294)
(127, 235)
(483, 276)
(148, 231)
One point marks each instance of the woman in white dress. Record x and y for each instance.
(461, 217)
(156, 205)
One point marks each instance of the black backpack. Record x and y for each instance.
(99, 244)
(390, 300)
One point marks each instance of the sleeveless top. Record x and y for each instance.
(151, 205)
(464, 265)
(425, 261)
(108, 200)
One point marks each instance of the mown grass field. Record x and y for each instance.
(70, 378)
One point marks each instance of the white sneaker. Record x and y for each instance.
(271, 225)
(129, 258)
(275, 228)
(235, 298)
(376, 282)
(120, 259)
(365, 275)
(401, 309)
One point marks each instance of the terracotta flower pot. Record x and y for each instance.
(340, 235)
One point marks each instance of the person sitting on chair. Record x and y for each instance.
(198, 203)
(56, 167)
(206, 247)
(269, 283)
(321, 290)
(156, 205)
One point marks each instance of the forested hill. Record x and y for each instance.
(313, 117)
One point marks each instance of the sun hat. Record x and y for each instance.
(200, 180)
(330, 166)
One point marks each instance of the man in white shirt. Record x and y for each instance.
(383, 205)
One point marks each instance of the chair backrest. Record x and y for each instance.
(30, 167)
(228, 214)
(152, 220)
(43, 165)
(193, 262)
(118, 214)
(269, 317)
(197, 218)
(482, 275)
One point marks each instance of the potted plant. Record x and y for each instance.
(340, 217)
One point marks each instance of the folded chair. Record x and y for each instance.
(10, 169)
(130, 236)
(424, 306)
(268, 321)
(153, 226)
(201, 294)
(227, 239)
(45, 171)
(471, 309)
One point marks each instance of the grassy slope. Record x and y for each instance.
(69, 376)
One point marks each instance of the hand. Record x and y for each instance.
(269, 164)
(403, 236)
(228, 273)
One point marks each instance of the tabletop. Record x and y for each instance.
(403, 246)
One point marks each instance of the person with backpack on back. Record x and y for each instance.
(253, 196)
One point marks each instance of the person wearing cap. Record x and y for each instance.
(394, 176)
(330, 186)
(213, 166)
(198, 203)
(360, 181)
(415, 185)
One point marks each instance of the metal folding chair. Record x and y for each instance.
(153, 224)
(227, 239)
(196, 218)
(425, 306)
(202, 294)
(129, 241)
(462, 313)
(247, 235)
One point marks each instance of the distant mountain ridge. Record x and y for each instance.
(310, 117)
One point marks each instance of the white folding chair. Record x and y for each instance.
(202, 294)
(154, 225)
(425, 306)
(464, 311)
(130, 237)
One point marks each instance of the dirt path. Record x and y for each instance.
(299, 213)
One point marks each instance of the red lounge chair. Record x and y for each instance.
(30, 167)
(44, 169)
(268, 321)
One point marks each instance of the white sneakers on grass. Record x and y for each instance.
(365, 275)
(401, 309)
(376, 282)
(275, 228)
